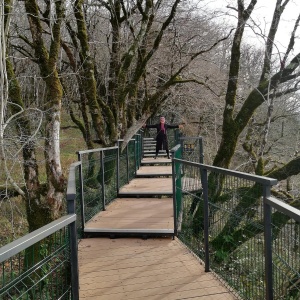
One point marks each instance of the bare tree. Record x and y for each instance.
(129, 84)
(269, 86)
(43, 201)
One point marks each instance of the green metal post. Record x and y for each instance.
(103, 179)
(118, 168)
(81, 194)
(127, 163)
(174, 196)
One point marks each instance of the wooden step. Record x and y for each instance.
(161, 160)
(132, 216)
(154, 171)
(147, 187)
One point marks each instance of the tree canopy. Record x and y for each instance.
(111, 65)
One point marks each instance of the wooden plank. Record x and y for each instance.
(155, 170)
(135, 213)
(144, 269)
(131, 268)
(158, 160)
(148, 185)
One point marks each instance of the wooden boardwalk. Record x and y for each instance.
(139, 215)
(142, 267)
(131, 268)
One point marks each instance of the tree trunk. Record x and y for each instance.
(47, 63)
(231, 128)
(89, 81)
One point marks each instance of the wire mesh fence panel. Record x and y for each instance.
(99, 179)
(138, 149)
(78, 204)
(91, 183)
(131, 159)
(192, 148)
(237, 235)
(123, 165)
(286, 256)
(110, 167)
(42, 271)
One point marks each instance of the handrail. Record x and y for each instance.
(31, 238)
(285, 208)
(96, 150)
(257, 178)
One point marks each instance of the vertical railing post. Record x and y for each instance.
(268, 243)
(81, 194)
(74, 261)
(201, 156)
(174, 195)
(139, 151)
(118, 168)
(181, 146)
(141, 148)
(203, 173)
(142, 144)
(103, 179)
(127, 162)
(71, 209)
(135, 155)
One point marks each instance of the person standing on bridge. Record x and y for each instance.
(161, 136)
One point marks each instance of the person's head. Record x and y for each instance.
(162, 119)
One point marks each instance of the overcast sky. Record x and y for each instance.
(262, 16)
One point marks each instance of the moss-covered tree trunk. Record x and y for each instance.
(114, 106)
(235, 122)
(231, 129)
(47, 62)
(37, 212)
(233, 126)
(88, 76)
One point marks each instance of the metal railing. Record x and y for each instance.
(248, 238)
(44, 263)
(192, 148)
(40, 265)
(228, 218)
(102, 172)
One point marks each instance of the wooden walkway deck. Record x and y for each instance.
(131, 268)
(142, 267)
(135, 215)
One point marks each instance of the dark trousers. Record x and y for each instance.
(162, 144)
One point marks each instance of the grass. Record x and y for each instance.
(13, 221)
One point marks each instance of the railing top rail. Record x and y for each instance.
(285, 208)
(256, 178)
(96, 150)
(31, 238)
